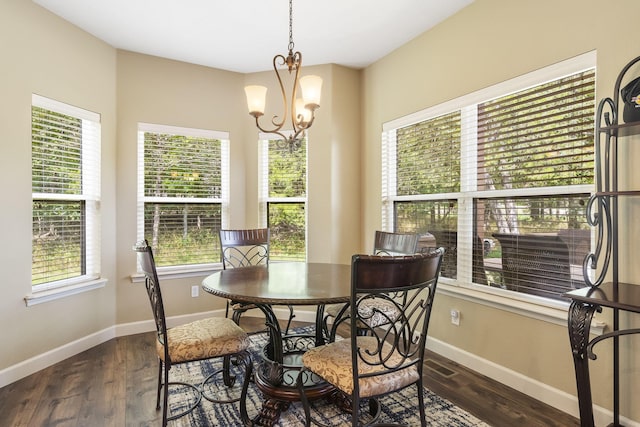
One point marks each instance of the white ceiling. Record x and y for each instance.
(244, 35)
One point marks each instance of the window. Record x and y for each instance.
(182, 193)
(283, 198)
(65, 179)
(501, 179)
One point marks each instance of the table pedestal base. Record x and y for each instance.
(277, 399)
(270, 412)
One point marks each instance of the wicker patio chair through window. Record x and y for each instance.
(536, 264)
(449, 241)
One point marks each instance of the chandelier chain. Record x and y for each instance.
(301, 111)
(291, 26)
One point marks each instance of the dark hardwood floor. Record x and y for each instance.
(114, 383)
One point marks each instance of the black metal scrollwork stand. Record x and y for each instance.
(580, 315)
(602, 212)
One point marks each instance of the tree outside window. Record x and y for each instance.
(284, 199)
(181, 188)
(65, 166)
(471, 179)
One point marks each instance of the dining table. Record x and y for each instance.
(278, 284)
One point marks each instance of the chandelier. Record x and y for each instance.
(301, 110)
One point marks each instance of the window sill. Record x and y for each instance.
(555, 312)
(179, 272)
(63, 292)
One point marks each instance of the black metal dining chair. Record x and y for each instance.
(199, 340)
(245, 248)
(388, 244)
(384, 360)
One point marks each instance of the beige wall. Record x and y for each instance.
(160, 91)
(155, 90)
(45, 55)
(333, 172)
(486, 43)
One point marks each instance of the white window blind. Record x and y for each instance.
(535, 154)
(512, 159)
(283, 197)
(437, 172)
(182, 192)
(539, 137)
(65, 153)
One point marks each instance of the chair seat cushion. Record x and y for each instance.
(385, 311)
(203, 339)
(333, 363)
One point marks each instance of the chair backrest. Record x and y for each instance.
(387, 243)
(535, 263)
(243, 248)
(449, 241)
(378, 276)
(152, 284)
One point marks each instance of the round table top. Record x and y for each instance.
(283, 283)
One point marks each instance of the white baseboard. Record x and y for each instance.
(51, 357)
(540, 391)
(37, 363)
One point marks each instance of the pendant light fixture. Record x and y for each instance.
(301, 111)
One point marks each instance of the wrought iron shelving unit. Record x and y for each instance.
(603, 212)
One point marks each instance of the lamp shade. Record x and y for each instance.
(256, 99)
(302, 111)
(311, 89)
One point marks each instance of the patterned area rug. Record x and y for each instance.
(396, 408)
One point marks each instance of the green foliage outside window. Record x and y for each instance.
(287, 219)
(428, 156)
(56, 168)
(58, 236)
(286, 222)
(177, 167)
(527, 154)
(186, 233)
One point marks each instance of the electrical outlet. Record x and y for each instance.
(455, 317)
(195, 291)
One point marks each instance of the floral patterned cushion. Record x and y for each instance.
(203, 339)
(386, 311)
(333, 363)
